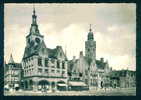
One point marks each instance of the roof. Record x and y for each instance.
(72, 65)
(40, 48)
(11, 59)
(56, 53)
(52, 53)
(15, 66)
(32, 50)
(121, 73)
(100, 64)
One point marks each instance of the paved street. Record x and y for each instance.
(101, 92)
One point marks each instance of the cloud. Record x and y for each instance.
(14, 42)
(71, 38)
(114, 27)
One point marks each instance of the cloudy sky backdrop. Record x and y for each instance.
(114, 27)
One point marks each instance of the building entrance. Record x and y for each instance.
(43, 85)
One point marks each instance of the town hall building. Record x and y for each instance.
(42, 67)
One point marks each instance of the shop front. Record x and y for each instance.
(77, 86)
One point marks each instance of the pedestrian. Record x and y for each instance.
(105, 86)
(42, 89)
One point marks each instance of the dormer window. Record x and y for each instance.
(29, 41)
(37, 40)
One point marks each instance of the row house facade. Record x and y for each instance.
(12, 74)
(123, 78)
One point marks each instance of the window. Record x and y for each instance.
(63, 72)
(88, 49)
(63, 65)
(58, 64)
(60, 54)
(39, 70)
(52, 60)
(24, 72)
(52, 71)
(39, 61)
(46, 62)
(46, 70)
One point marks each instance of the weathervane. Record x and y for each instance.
(90, 28)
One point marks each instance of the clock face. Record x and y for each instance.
(32, 43)
(37, 40)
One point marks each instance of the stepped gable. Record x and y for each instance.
(100, 65)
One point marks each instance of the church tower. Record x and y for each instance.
(34, 37)
(90, 54)
(90, 47)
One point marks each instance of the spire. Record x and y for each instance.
(90, 34)
(33, 9)
(11, 61)
(34, 16)
(65, 50)
(34, 27)
(90, 28)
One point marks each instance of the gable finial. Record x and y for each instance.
(33, 9)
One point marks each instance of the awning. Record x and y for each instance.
(62, 84)
(77, 84)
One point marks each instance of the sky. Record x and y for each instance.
(67, 25)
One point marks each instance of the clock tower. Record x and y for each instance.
(90, 47)
(90, 54)
(34, 38)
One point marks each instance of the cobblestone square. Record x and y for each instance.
(100, 92)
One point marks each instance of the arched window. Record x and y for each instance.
(46, 62)
(58, 64)
(88, 49)
(63, 65)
